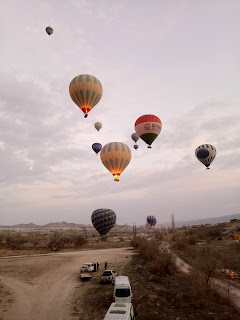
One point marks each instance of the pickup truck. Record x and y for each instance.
(87, 267)
(108, 276)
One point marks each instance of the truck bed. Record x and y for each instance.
(85, 276)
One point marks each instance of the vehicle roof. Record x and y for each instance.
(121, 280)
(118, 311)
(109, 270)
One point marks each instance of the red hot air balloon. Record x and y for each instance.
(148, 128)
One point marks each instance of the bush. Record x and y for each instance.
(159, 261)
(79, 241)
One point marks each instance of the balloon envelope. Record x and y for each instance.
(97, 147)
(151, 220)
(206, 153)
(86, 91)
(103, 220)
(135, 137)
(49, 30)
(98, 126)
(115, 157)
(148, 128)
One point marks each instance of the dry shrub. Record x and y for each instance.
(163, 263)
(196, 292)
(160, 262)
(79, 241)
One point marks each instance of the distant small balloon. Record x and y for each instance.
(135, 146)
(135, 137)
(98, 126)
(49, 30)
(97, 147)
(152, 220)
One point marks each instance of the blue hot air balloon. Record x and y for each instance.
(103, 220)
(206, 153)
(151, 220)
(97, 147)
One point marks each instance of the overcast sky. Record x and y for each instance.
(176, 59)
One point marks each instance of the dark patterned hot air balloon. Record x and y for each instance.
(97, 147)
(49, 30)
(151, 220)
(86, 91)
(103, 220)
(206, 153)
(148, 128)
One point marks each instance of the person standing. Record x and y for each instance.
(97, 265)
(105, 265)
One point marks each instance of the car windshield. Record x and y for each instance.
(122, 293)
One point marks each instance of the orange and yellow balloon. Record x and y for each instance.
(115, 157)
(86, 91)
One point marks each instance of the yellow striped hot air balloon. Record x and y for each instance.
(86, 91)
(115, 156)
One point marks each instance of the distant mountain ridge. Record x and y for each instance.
(60, 225)
(51, 225)
(67, 225)
(212, 221)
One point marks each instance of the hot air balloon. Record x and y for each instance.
(151, 220)
(206, 153)
(103, 220)
(135, 146)
(49, 30)
(97, 147)
(98, 126)
(148, 128)
(135, 137)
(85, 91)
(115, 156)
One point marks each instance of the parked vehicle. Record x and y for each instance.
(85, 276)
(108, 276)
(122, 290)
(120, 311)
(87, 267)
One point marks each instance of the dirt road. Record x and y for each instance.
(42, 287)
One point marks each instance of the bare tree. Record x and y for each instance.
(173, 223)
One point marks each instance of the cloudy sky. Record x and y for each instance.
(177, 59)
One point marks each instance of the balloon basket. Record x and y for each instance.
(116, 179)
(149, 147)
(85, 116)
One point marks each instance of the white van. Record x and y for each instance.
(122, 290)
(120, 311)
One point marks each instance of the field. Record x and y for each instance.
(49, 287)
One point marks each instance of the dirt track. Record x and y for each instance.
(42, 287)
